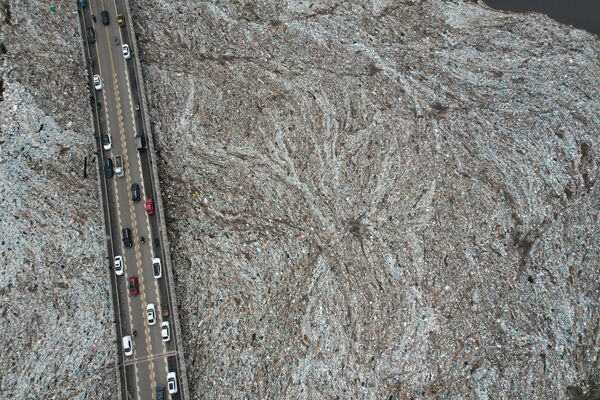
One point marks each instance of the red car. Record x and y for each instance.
(133, 285)
(150, 206)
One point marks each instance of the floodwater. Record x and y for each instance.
(583, 14)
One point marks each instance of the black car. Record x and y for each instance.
(127, 242)
(108, 168)
(91, 35)
(104, 16)
(135, 192)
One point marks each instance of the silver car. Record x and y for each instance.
(97, 82)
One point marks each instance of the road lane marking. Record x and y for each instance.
(116, 191)
(96, 116)
(120, 121)
(152, 358)
(134, 227)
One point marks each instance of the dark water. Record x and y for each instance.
(583, 14)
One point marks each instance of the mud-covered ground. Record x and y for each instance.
(55, 317)
(365, 200)
(378, 200)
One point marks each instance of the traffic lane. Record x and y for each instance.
(132, 163)
(147, 280)
(147, 383)
(157, 346)
(135, 95)
(165, 293)
(110, 217)
(110, 125)
(108, 92)
(160, 347)
(172, 344)
(172, 365)
(119, 197)
(130, 374)
(163, 283)
(119, 204)
(112, 109)
(143, 341)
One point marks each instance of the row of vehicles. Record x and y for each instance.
(113, 168)
(91, 39)
(120, 270)
(98, 80)
(116, 167)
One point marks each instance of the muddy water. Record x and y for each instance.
(583, 14)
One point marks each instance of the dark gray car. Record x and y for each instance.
(91, 35)
(135, 192)
(108, 168)
(104, 16)
(127, 242)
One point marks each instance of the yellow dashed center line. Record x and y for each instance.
(137, 251)
(108, 132)
(133, 227)
(150, 237)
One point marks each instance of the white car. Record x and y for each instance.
(126, 52)
(97, 82)
(106, 142)
(165, 332)
(127, 346)
(172, 382)
(119, 265)
(157, 268)
(151, 314)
